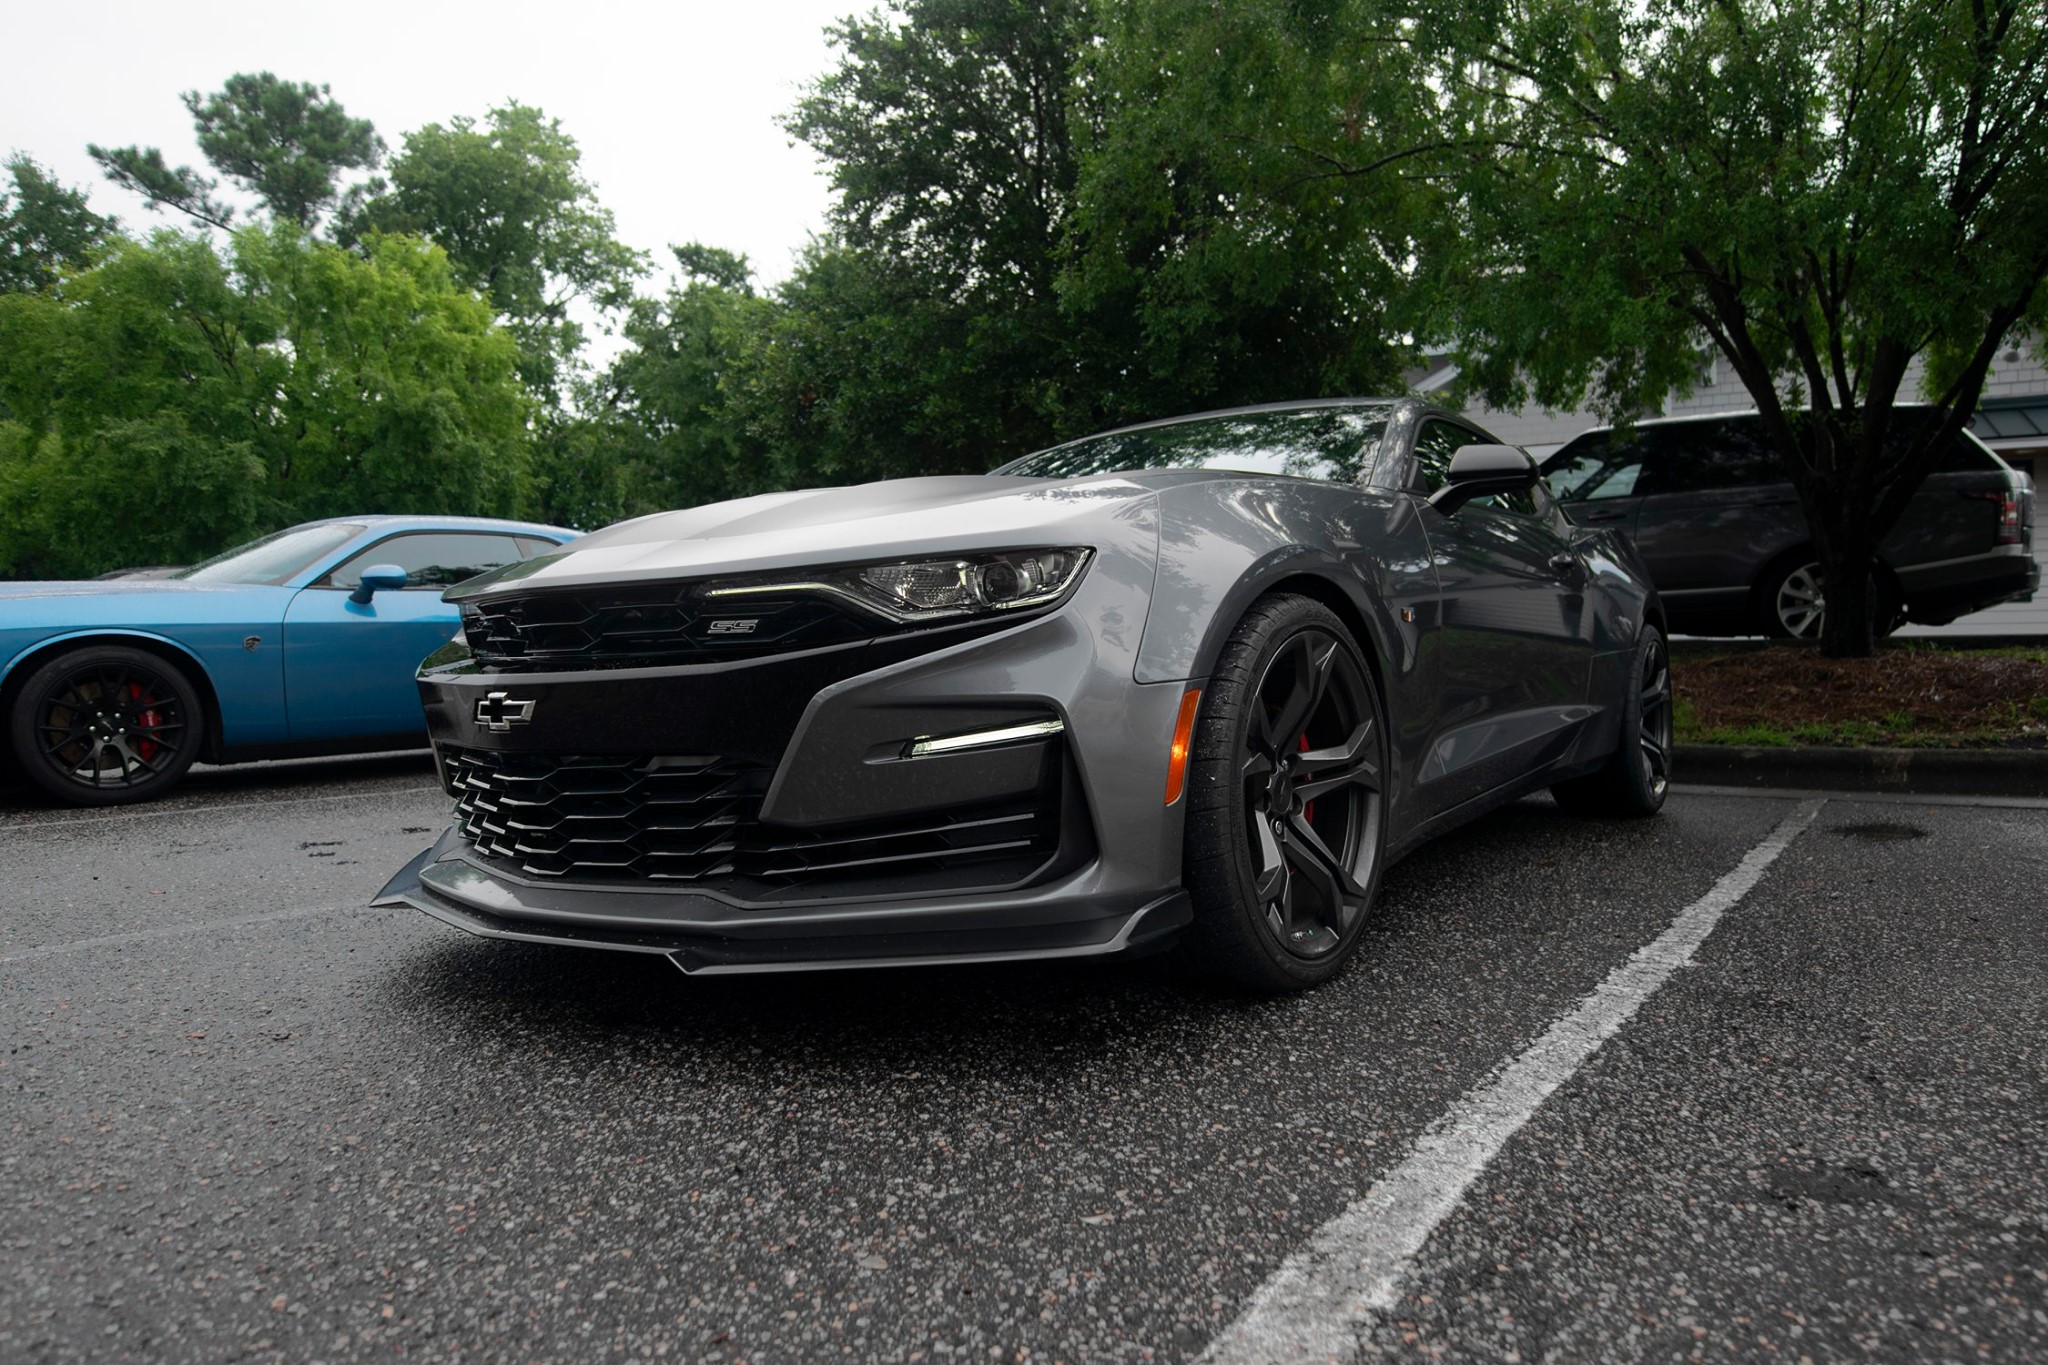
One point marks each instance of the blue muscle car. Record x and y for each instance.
(304, 642)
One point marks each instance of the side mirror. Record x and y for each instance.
(1480, 471)
(378, 578)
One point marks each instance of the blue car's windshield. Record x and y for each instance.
(1336, 443)
(276, 557)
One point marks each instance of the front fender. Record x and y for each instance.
(1222, 546)
(242, 688)
(114, 634)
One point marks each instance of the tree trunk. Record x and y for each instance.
(1847, 552)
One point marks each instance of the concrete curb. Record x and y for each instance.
(1917, 772)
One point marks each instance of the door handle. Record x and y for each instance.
(1608, 514)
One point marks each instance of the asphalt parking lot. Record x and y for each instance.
(247, 1118)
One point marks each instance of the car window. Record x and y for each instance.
(431, 559)
(1337, 444)
(1436, 443)
(1596, 465)
(275, 558)
(1706, 457)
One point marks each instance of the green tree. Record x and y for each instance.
(674, 386)
(863, 371)
(288, 144)
(658, 429)
(926, 336)
(1224, 247)
(507, 200)
(44, 228)
(170, 399)
(1825, 190)
(1581, 195)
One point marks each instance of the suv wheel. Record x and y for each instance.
(1795, 603)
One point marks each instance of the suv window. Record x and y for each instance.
(433, 559)
(1596, 465)
(1704, 457)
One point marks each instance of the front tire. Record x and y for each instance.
(106, 725)
(1638, 775)
(1286, 824)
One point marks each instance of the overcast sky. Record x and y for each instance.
(674, 104)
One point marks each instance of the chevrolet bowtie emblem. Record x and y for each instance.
(501, 711)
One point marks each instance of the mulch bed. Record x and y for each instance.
(1983, 698)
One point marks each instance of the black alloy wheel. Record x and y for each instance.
(106, 725)
(1653, 715)
(1637, 778)
(1287, 814)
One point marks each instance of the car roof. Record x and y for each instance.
(1404, 403)
(1731, 415)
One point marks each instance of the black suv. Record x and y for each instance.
(1721, 531)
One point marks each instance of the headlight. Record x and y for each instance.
(937, 589)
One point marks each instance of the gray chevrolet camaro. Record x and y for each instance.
(1198, 681)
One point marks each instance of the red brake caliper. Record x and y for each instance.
(145, 749)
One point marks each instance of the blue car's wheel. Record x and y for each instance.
(1287, 813)
(105, 725)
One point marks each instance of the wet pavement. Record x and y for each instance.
(247, 1118)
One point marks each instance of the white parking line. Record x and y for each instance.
(172, 931)
(1324, 1298)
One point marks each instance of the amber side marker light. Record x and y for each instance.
(1183, 736)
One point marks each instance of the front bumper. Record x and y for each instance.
(702, 937)
(806, 751)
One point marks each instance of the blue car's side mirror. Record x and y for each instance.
(378, 578)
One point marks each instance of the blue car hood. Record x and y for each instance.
(143, 588)
(137, 604)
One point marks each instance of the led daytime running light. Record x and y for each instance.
(982, 739)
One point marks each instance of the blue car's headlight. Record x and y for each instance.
(938, 588)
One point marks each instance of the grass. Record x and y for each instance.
(1913, 694)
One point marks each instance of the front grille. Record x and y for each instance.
(623, 626)
(696, 819)
(666, 819)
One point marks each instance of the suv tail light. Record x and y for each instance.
(2009, 518)
(2008, 501)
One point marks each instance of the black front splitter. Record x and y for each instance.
(1149, 927)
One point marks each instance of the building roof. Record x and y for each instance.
(2021, 420)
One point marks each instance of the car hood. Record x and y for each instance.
(898, 517)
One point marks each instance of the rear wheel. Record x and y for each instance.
(1287, 816)
(106, 725)
(1794, 603)
(1638, 776)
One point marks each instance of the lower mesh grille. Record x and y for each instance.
(695, 819)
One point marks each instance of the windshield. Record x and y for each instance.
(276, 557)
(1337, 444)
